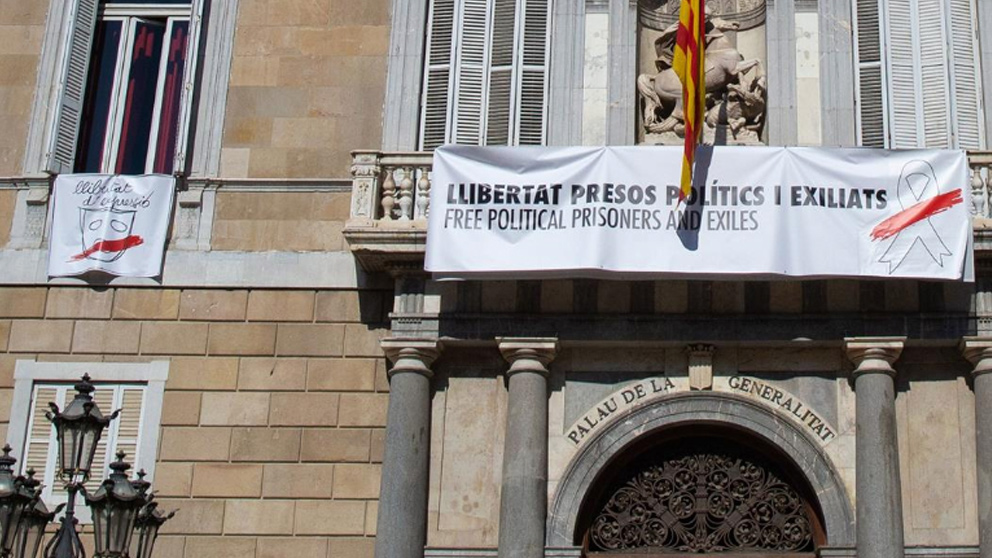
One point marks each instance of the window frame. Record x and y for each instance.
(213, 39)
(152, 375)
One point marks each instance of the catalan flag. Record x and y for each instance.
(689, 64)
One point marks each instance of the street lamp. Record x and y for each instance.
(14, 501)
(78, 429)
(120, 506)
(33, 521)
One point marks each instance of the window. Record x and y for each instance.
(124, 104)
(485, 77)
(136, 389)
(919, 82)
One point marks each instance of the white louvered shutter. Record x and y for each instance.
(935, 90)
(533, 73)
(72, 90)
(104, 397)
(471, 76)
(189, 82)
(905, 108)
(871, 75)
(966, 92)
(499, 128)
(438, 85)
(40, 451)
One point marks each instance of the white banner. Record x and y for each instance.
(756, 212)
(111, 223)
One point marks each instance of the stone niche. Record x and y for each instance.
(736, 91)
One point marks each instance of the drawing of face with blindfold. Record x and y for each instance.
(106, 234)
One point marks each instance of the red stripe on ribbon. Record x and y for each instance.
(915, 214)
(110, 246)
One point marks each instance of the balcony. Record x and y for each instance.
(390, 201)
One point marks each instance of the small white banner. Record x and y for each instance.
(111, 223)
(757, 212)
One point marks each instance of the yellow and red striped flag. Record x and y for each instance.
(690, 66)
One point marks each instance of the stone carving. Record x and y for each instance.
(703, 502)
(659, 14)
(736, 88)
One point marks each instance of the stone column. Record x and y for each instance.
(402, 522)
(978, 350)
(523, 505)
(879, 491)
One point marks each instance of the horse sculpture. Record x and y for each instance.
(662, 92)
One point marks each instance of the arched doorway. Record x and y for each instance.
(700, 489)
(703, 422)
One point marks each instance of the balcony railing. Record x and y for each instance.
(390, 202)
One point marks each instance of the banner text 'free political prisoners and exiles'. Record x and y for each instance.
(753, 211)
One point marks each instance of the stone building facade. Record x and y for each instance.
(306, 390)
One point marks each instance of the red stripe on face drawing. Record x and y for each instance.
(111, 246)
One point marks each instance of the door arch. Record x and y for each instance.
(724, 416)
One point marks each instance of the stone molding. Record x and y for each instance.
(411, 355)
(525, 354)
(708, 408)
(978, 351)
(874, 355)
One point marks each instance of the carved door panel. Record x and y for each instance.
(701, 500)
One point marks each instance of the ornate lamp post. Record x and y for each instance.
(78, 430)
(120, 506)
(15, 500)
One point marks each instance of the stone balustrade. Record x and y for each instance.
(390, 202)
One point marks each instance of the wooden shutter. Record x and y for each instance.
(935, 91)
(905, 109)
(189, 82)
(72, 90)
(533, 73)
(966, 89)
(438, 86)
(871, 75)
(40, 451)
(471, 74)
(499, 128)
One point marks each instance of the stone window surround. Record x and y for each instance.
(407, 43)
(210, 103)
(153, 374)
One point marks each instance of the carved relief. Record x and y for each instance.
(736, 86)
(703, 502)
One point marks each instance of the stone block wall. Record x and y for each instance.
(274, 411)
(22, 26)
(307, 87)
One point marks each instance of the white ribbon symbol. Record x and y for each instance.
(917, 183)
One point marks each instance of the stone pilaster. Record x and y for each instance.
(524, 497)
(402, 522)
(978, 350)
(879, 491)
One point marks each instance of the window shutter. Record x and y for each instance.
(498, 125)
(871, 104)
(68, 111)
(935, 94)
(533, 79)
(104, 397)
(438, 88)
(905, 109)
(189, 81)
(966, 90)
(40, 452)
(470, 80)
(128, 427)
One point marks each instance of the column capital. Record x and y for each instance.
(874, 355)
(411, 355)
(978, 351)
(528, 354)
